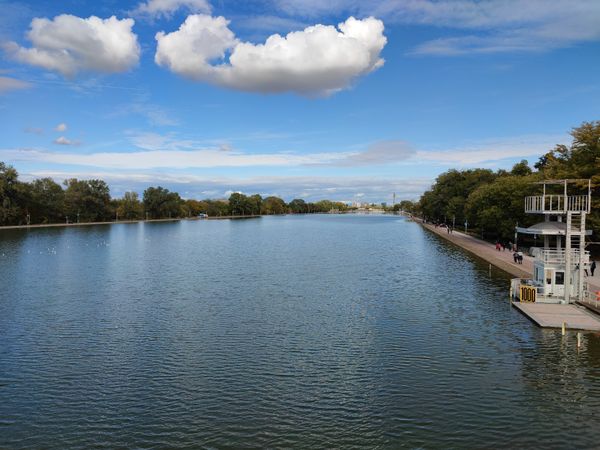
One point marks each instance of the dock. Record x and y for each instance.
(548, 315)
(577, 317)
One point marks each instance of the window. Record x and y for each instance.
(559, 278)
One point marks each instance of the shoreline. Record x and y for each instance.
(501, 260)
(117, 222)
(483, 250)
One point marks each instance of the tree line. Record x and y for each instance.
(491, 203)
(43, 201)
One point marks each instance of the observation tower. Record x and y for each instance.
(561, 265)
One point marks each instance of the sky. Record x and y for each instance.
(349, 100)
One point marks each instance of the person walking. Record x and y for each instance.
(593, 267)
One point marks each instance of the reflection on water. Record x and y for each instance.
(286, 331)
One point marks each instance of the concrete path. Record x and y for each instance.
(501, 259)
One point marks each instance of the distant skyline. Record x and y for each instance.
(347, 100)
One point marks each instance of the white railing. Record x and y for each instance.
(557, 203)
(578, 203)
(558, 256)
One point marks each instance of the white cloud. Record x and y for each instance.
(68, 44)
(12, 84)
(501, 25)
(62, 127)
(34, 130)
(382, 152)
(493, 151)
(311, 188)
(167, 152)
(174, 159)
(319, 60)
(166, 8)
(64, 141)
(154, 114)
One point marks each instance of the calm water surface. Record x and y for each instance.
(310, 331)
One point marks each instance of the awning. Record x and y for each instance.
(548, 229)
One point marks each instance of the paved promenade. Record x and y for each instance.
(500, 259)
(547, 316)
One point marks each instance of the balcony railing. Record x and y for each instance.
(557, 204)
(559, 256)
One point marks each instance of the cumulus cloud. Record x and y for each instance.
(64, 141)
(62, 127)
(319, 60)
(166, 8)
(68, 44)
(12, 84)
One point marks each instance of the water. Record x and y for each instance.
(307, 331)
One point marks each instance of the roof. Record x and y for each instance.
(548, 229)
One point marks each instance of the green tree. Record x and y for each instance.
(11, 195)
(273, 205)
(215, 208)
(298, 206)
(192, 208)
(497, 207)
(254, 203)
(129, 207)
(87, 200)
(447, 197)
(521, 169)
(46, 201)
(239, 204)
(160, 203)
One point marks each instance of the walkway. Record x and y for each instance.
(576, 317)
(501, 259)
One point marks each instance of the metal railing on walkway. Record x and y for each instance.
(557, 203)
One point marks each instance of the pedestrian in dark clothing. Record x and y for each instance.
(515, 257)
(593, 267)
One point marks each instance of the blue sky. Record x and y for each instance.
(362, 99)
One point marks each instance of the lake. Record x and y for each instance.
(293, 331)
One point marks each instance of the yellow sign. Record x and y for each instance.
(527, 294)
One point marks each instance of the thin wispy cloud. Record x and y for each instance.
(154, 114)
(160, 151)
(12, 84)
(34, 130)
(492, 151)
(166, 8)
(61, 140)
(311, 188)
(491, 26)
(378, 153)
